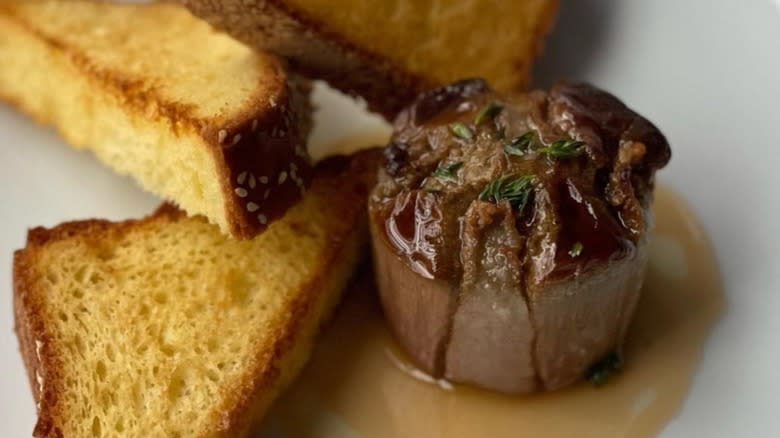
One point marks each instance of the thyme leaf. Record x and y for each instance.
(462, 131)
(489, 111)
(576, 249)
(601, 371)
(449, 171)
(520, 145)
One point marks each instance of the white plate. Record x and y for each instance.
(706, 72)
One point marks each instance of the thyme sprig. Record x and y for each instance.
(564, 149)
(559, 149)
(515, 189)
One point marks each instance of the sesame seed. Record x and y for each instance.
(300, 184)
(241, 178)
(263, 220)
(236, 139)
(254, 125)
(221, 135)
(282, 177)
(252, 207)
(241, 192)
(252, 182)
(267, 193)
(293, 167)
(263, 179)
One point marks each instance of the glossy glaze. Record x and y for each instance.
(597, 199)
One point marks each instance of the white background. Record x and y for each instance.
(706, 72)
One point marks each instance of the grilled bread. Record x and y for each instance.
(194, 116)
(165, 327)
(389, 51)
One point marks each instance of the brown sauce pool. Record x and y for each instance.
(358, 384)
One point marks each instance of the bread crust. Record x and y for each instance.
(40, 355)
(31, 332)
(266, 137)
(319, 52)
(245, 405)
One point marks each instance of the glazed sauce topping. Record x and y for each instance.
(463, 145)
(587, 232)
(413, 228)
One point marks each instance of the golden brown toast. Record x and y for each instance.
(165, 327)
(389, 51)
(194, 116)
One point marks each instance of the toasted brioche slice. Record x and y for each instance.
(165, 327)
(389, 51)
(193, 115)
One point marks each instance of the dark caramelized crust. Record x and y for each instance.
(597, 198)
(267, 168)
(578, 229)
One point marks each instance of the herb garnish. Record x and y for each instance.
(563, 149)
(449, 171)
(576, 249)
(488, 111)
(461, 130)
(600, 372)
(514, 189)
(520, 145)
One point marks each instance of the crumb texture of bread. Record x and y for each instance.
(388, 51)
(193, 115)
(165, 327)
